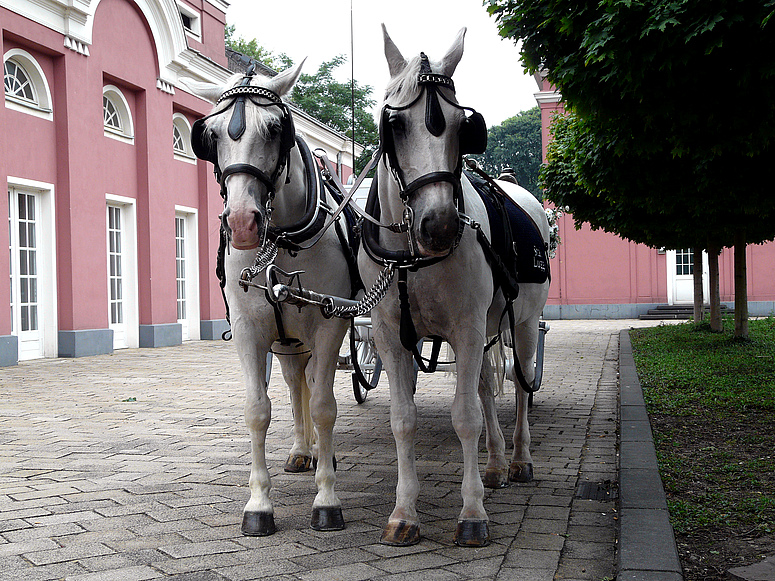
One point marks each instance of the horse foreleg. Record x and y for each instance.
(496, 474)
(326, 508)
(258, 516)
(473, 523)
(521, 468)
(300, 457)
(403, 526)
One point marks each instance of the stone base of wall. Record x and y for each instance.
(161, 335)
(9, 350)
(634, 310)
(85, 343)
(213, 330)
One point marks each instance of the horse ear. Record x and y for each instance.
(284, 81)
(396, 61)
(454, 54)
(207, 91)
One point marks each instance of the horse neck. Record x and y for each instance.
(290, 201)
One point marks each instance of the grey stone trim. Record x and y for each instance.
(647, 550)
(85, 343)
(618, 311)
(212, 330)
(161, 335)
(9, 350)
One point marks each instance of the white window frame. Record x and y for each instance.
(196, 21)
(46, 261)
(127, 132)
(180, 122)
(42, 105)
(130, 291)
(190, 215)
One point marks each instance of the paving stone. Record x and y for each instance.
(93, 487)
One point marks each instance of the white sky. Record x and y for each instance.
(489, 78)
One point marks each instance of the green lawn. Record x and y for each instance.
(711, 400)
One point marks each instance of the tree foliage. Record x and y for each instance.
(516, 143)
(322, 96)
(330, 101)
(666, 144)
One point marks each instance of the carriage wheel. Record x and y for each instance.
(366, 360)
(371, 373)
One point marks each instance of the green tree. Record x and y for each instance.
(253, 50)
(322, 96)
(331, 102)
(516, 143)
(660, 127)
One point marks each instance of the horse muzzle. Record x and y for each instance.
(437, 232)
(245, 228)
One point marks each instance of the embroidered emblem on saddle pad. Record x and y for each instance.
(527, 259)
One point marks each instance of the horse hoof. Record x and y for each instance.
(297, 463)
(258, 524)
(327, 519)
(400, 534)
(494, 478)
(521, 471)
(472, 533)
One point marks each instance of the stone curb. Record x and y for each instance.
(647, 550)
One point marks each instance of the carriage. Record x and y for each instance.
(437, 259)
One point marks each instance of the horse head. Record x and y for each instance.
(249, 137)
(424, 133)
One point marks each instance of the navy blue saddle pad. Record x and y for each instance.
(530, 265)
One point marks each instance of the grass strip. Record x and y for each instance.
(711, 401)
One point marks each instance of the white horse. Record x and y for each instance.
(424, 133)
(272, 198)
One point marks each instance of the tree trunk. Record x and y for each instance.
(697, 278)
(741, 287)
(713, 282)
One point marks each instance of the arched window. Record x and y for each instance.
(181, 139)
(110, 114)
(116, 115)
(26, 88)
(17, 83)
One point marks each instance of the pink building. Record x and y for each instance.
(112, 221)
(596, 275)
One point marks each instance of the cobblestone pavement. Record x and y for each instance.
(134, 466)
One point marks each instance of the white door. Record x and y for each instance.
(680, 273)
(180, 270)
(116, 276)
(187, 280)
(26, 308)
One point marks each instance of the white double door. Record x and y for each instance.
(27, 310)
(680, 276)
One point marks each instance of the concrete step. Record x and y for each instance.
(673, 312)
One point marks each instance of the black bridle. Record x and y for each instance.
(472, 134)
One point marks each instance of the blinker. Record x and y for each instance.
(237, 123)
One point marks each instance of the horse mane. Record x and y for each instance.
(403, 88)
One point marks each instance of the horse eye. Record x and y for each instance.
(397, 124)
(274, 130)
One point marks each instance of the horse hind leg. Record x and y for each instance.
(300, 456)
(521, 468)
(496, 473)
